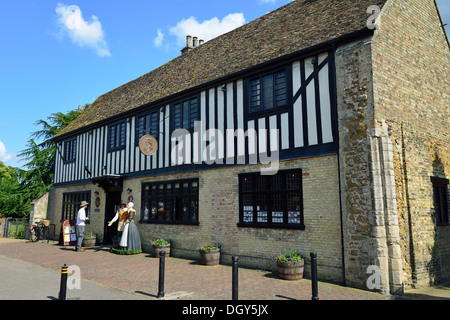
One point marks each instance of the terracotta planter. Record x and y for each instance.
(89, 242)
(291, 270)
(210, 258)
(158, 249)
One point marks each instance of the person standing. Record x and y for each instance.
(81, 224)
(122, 216)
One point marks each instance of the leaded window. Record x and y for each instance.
(70, 150)
(71, 204)
(271, 201)
(174, 202)
(268, 92)
(185, 113)
(440, 199)
(147, 124)
(117, 136)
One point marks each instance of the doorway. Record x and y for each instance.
(112, 204)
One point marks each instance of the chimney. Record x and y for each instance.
(191, 43)
(188, 41)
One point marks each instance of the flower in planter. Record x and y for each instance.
(160, 242)
(293, 256)
(209, 247)
(89, 235)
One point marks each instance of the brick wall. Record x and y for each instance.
(219, 215)
(411, 95)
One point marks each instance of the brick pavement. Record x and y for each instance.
(184, 279)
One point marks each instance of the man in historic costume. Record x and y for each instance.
(121, 215)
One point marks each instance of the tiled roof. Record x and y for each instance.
(296, 26)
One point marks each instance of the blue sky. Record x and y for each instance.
(56, 55)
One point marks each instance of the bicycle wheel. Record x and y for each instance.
(34, 234)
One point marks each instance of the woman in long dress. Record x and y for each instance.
(131, 240)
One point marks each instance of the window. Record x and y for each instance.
(440, 199)
(174, 202)
(70, 150)
(271, 201)
(268, 92)
(147, 124)
(117, 136)
(185, 113)
(71, 204)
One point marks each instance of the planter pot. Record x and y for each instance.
(291, 270)
(158, 249)
(89, 242)
(210, 258)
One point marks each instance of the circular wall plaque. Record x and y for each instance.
(148, 145)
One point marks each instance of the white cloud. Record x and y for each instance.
(81, 32)
(4, 156)
(159, 38)
(207, 29)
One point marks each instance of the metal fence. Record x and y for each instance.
(16, 228)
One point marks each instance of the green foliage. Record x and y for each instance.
(13, 203)
(290, 257)
(89, 235)
(18, 188)
(209, 247)
(160, 242)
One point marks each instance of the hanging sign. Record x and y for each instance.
(148, 145)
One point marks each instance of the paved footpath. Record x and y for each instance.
(117, 277)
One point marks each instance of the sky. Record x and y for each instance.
(57, 55)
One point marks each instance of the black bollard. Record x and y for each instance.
(63, 285)
(162, 258)
(315, 295)
(235, 277)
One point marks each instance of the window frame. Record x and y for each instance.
(140, 132)
(124, 133)
(171, 197)
(275, 108)
(71, 157)
(190, 121)
(269, 192)
(71, 202)
(440, 200)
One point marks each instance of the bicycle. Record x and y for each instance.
(40, 232)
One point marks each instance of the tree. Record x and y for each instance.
(40, 156)
(12, 200)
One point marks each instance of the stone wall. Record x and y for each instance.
(411, 79)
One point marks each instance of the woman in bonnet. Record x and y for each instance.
(131, 240)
